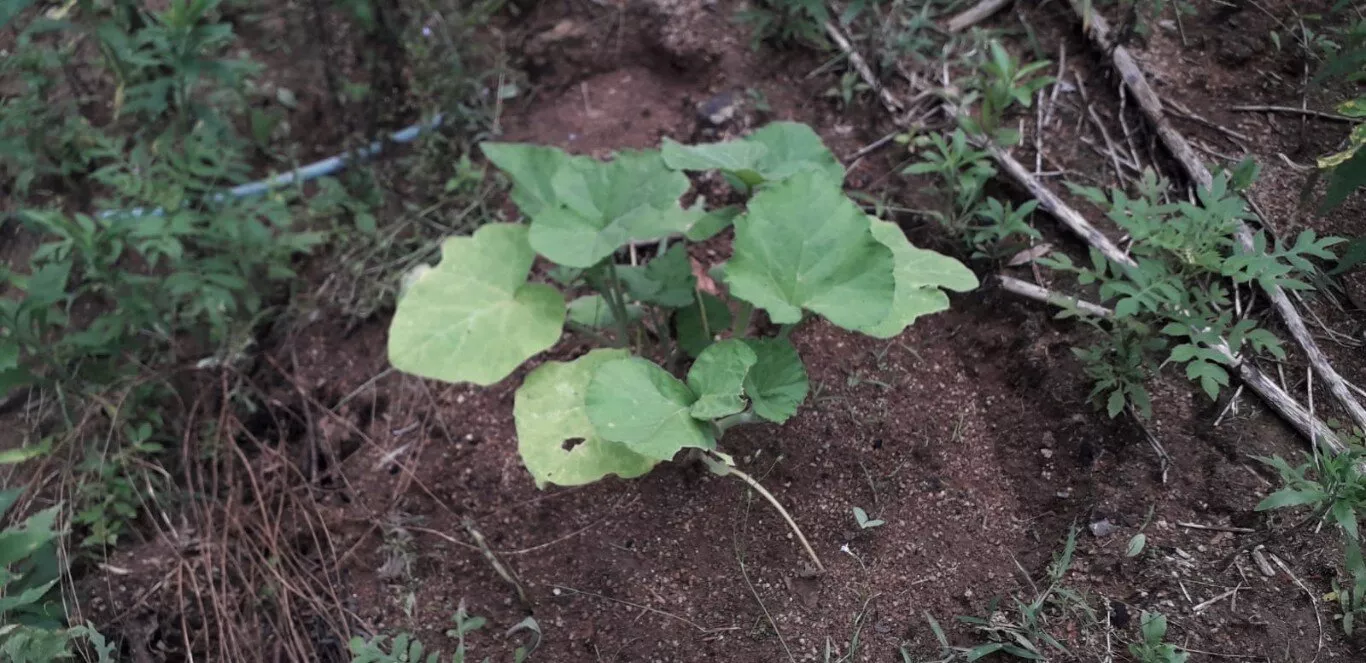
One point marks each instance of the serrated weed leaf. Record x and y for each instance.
(718, 379)
(804, 245)
(774, 152)
(555, 438)
(637, 403)
(919, 274)
(582, 209)
(777, 383)
(473, 317)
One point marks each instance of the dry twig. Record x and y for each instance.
(1293, 110)
(976, 14)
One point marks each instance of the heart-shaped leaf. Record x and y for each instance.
(794, 147)
(919, 275)
(776, 384)
(718, 379)
(636, 403)
(582, 210)
(554, 436)
(804, 245)
(473, 317)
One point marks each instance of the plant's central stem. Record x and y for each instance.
(726, 423)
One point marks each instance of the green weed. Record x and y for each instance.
(865, 522)
(32, 628)
(1001, 83)
(991, 228)
(1152, 649)
(785, 22)
(1334, 489)
(404, 648)
(1175, 298)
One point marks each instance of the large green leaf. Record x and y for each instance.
(593, 311)
(698, 324)
(737, 157)
(532, 169)
(919, 275)
(666, 280)
(772, 153)
(473, 317)
(793, 147)
(18, 543)
(636, 403)
(582, 210)
(804, 245)
(776, 384)
(718, 379)
(550, 416)
(1345, 178)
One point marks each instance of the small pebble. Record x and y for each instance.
(1102, 528)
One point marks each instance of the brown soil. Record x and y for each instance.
(971, 435)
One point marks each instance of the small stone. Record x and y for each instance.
(1047, 453)
(1102, 528)
(719, 109)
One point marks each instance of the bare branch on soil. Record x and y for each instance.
(976, 14)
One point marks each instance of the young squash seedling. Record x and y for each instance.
(801, 247)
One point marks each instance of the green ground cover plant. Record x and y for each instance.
(1175, 304)
(801, 248)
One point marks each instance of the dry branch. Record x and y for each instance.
(976, 14)
(1292, 110)
(1303, 420)
(1054, 205)
(1099, 31)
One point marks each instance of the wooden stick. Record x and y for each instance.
(1037, 293)
(1334, 117)
(976, 14)
(1054, 205)
(1098, 30)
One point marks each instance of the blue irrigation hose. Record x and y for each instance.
(311, 171)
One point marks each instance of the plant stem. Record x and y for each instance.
(758, 488)
(726, 423)
(589, 332)
(741, 327)
(617, 301)
(702, 310)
